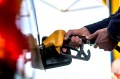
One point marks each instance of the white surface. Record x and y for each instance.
(51, 19)
(97, 67)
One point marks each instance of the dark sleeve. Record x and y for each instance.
(101, 24)
(114, 27)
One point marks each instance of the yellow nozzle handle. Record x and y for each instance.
(55, 39)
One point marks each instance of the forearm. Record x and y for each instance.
(98, 25)
(114, 28)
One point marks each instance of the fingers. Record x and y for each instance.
(95, 45)
(68, 34)
(75, 41)
(92, 36)
(116, 66)
(64, 50)
(105, 46)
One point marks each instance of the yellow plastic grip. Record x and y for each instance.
(55, 39)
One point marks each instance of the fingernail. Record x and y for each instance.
(65, 38)
(79, 43)
(87, 37)
(95, 46)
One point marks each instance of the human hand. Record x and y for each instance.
(116, 66)
(103, 40)
(75, 33)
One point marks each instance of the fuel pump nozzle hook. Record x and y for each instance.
(80, 53)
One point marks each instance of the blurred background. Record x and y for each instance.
(43, 17)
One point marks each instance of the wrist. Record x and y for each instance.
(85, 31)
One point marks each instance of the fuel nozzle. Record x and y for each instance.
(80, 52)
(55, 39)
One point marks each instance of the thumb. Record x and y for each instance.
(92, 36)
(67, 35)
